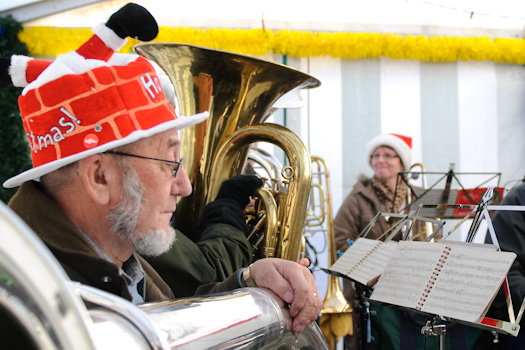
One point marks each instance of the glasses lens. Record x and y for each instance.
(176, 167)
(385, 156)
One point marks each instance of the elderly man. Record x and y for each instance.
(107, 171)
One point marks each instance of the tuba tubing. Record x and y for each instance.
(334, 301)
(298, 174)
(250, 318)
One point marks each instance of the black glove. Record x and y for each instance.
(228, 206)
(239, 188)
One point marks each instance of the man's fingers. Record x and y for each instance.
(309, 313)
(293, 283)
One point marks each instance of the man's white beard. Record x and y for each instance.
(155, 242)
(124, 219)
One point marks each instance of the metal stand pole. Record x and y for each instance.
(430, 329)
(365, 318)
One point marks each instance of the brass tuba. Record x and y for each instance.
(239, 92)
(336, 315)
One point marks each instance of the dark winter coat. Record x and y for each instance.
(79, 260)
(357, 210)
(509, 226)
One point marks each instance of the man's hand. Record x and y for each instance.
(293, 283)
(239, 188)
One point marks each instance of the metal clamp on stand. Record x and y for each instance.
(430, 329)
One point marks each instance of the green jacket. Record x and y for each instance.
(221, 250)
(44, 216)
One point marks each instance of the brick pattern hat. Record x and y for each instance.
(92, 99)
(399, 143)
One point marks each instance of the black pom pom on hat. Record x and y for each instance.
(134, 21)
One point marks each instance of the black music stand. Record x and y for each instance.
(447, 190)
(478, 213)
(404, 227)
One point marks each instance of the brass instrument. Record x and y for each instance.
(239, 92)
(428, 225)
(266, 166)
(414, 176)
(319, 219)
(336, 315)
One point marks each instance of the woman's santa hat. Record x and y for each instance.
(399, 143)
(91, 100)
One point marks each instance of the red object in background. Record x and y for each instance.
(474, 197)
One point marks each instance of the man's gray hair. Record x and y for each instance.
(58, 180)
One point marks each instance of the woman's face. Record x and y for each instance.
(386, 163)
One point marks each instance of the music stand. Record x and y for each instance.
(452, 193)
(405, 220)
(481, 212)
(478, 213)
(404, 225)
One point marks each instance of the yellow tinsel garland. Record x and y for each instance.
(53, 41)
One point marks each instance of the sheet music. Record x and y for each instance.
(463, 287)
(365, 260)
(360, 248)
(407, 274)
(468, 283)
(372, 267)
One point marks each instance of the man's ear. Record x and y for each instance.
(98, 174)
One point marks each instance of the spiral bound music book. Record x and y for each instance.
(444, 279)
(365, 260)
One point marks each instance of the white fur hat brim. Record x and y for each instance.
(397, 144)
(36, 173)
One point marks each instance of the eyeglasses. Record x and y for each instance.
(176, 165)
(385, 156)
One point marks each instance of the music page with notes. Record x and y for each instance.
(365, 260)
(443, 279)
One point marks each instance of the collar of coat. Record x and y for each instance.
(45, 217)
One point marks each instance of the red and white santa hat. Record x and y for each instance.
(400, 143)
(91, 100)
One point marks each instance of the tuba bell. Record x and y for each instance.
(239, 92)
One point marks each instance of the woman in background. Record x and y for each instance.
(388, 155)
(391, 328)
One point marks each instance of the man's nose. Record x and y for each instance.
(182, 184)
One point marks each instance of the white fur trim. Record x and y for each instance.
(68, 63)
(402, 149)
(122, 59)
(36, 173)
(73, 63)
(17, 70)
(108, 36)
